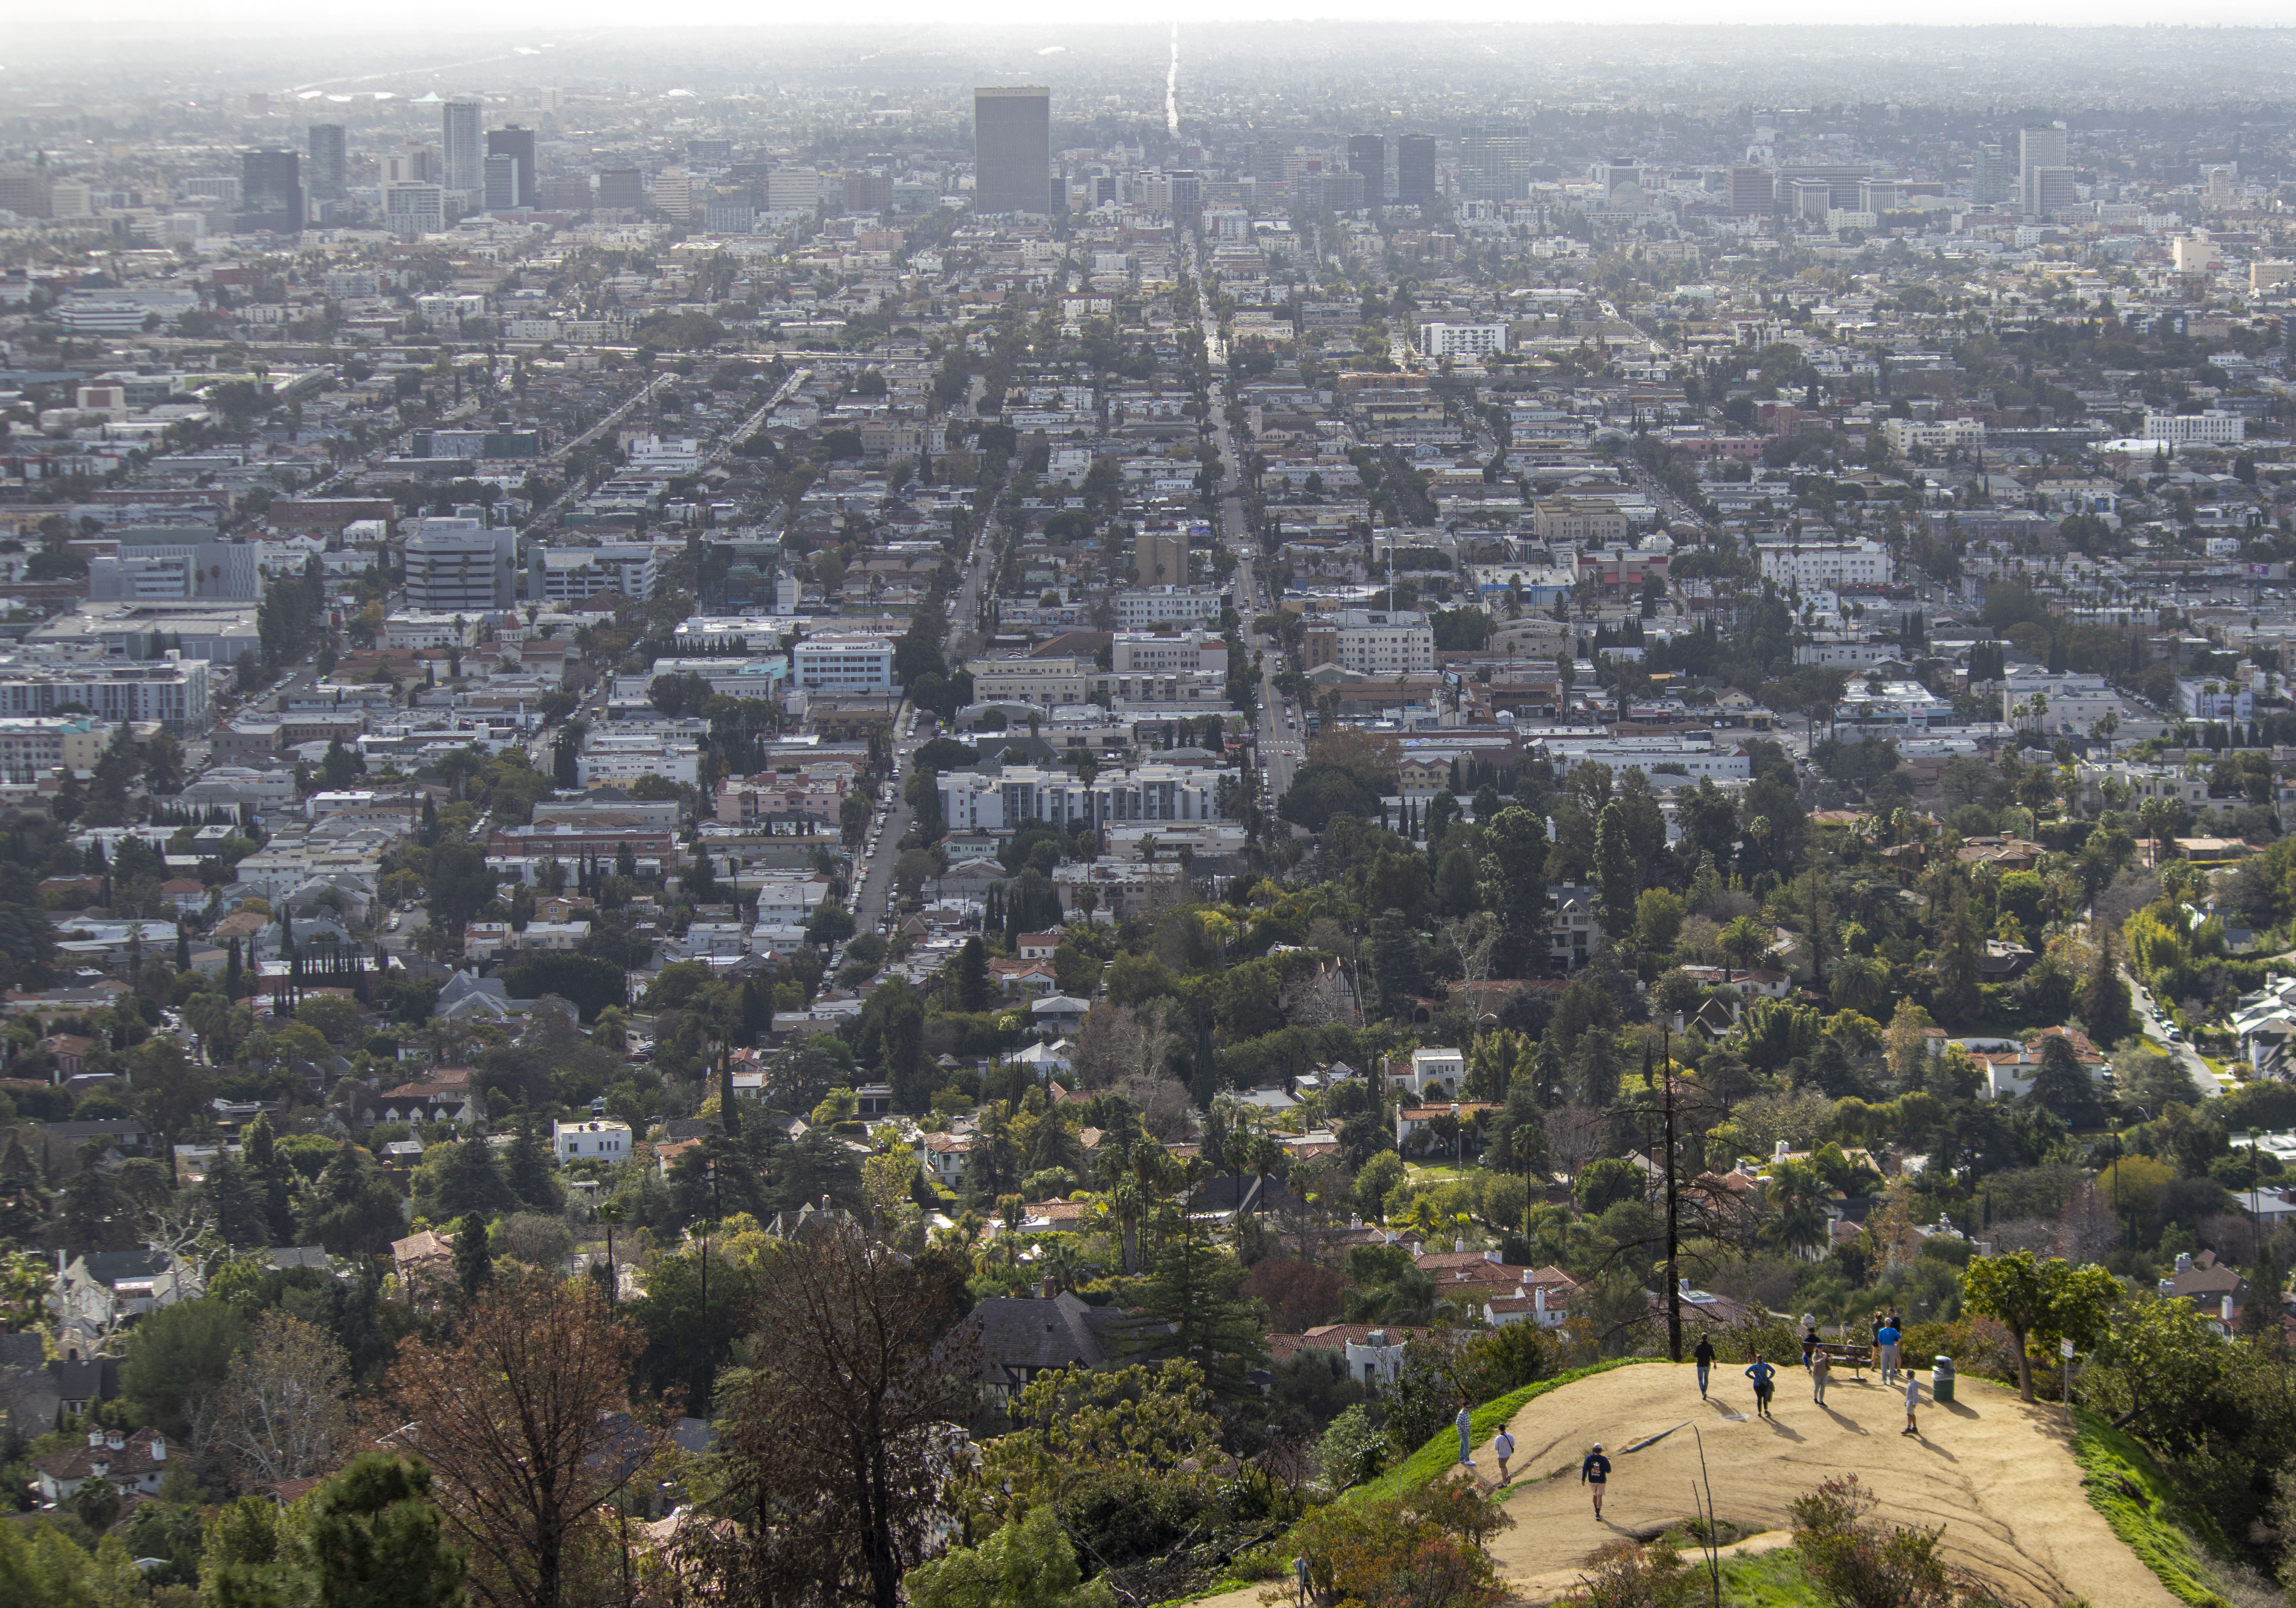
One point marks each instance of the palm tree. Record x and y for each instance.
(1745, 940)
(2152, 819)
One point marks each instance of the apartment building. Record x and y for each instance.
(1933, 435)
(1046, 683)
(1588, 522)
(173, 691)
(1827, 566)
(33, 745)
(1018, 794)
(842, 662)
(1167, 605)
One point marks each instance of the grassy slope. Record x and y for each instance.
(2161, 1530)
(1431, 1461)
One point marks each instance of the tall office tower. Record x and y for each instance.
(330, 161)
(1992, 176)
(1753, 191)
(1367, 155)
(621, 189)
(1186, 188)
(2055, 190)
(518, 144)
(465, 152)
(271, 191)
(2038, 148)
(1494, 161)
(1013, 149)
(502, 182)
(1414, 169)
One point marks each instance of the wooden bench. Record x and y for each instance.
(1844, 1354)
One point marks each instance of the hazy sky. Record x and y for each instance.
(272, 16)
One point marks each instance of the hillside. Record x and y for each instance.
(1996, 1473)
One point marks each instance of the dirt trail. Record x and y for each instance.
(1997, 1473)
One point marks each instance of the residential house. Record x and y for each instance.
(134, 1464)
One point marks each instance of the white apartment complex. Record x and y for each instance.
(2211, 429)
(172, 691)
(1017, 794)
(1440, 341)
(1375, 642)
(1827, 566)
(1167, 605)
(1933, 435)
(1168, 653)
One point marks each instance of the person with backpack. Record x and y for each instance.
(1765, 1378)
(1596, 1472)
(1704, 1356)
(1503, 1447)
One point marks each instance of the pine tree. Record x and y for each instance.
(474, 1256)
(530, 1170)
(1193, 1289)
(183, 949)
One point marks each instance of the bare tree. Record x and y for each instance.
(1575, 1136)
(2089, 1226)
(283, 1412)
(1167, 1109)
(521, 1423)
(842, 1438)
(1117, 1042)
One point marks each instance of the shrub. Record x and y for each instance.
(1388, 1554)
(1861, 1563)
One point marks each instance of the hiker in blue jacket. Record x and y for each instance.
(1765, 1378)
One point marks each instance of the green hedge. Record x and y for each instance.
(1430, 1462)
(2161, 1528)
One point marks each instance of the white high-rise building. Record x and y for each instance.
(466, 145)
(2038, 148)
(461, 567)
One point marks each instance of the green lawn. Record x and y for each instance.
(1768, 1579)
(1431, 1461)
(2172, 1539)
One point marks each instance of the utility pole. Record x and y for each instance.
(1673, 1237)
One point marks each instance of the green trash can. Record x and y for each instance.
(1941, 1380)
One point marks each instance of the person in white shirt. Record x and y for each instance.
(1503, 1448)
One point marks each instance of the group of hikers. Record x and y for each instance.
(1595, 1471)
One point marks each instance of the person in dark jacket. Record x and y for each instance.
(1594, 1473)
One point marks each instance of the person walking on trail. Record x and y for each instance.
(1821, 1369)
(1466, 1436)
(1299, 1575)
(1765, 1378)
(1704, 1356)
(1913, 1404)
(1503, 1447)
(1885, 1350)
(1595, 1472)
